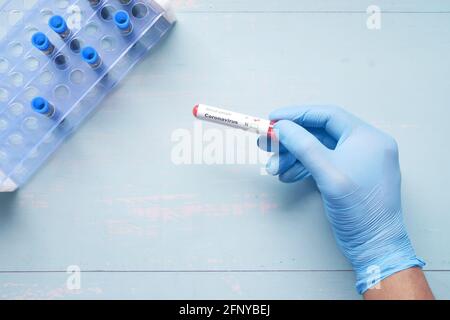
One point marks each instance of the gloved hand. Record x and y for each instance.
(356, 169)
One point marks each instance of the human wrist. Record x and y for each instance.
(384, 262)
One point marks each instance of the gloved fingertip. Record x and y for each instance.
(288, 178)
(280, 126)
(276, 114)
(273, 165)
(263, 143)
(285, 179)
(281, 123)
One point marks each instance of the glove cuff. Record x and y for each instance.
(374, 274)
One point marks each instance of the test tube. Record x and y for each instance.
(123, 22)
(42, 106)
(59, 25)
(41, 42)
(234, 119)
(91, 57)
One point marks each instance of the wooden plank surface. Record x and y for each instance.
(289, 6)
(113, 200)
(221, 285)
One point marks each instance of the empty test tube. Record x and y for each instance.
(42, 106)
(91, 57)
(61, 62)
(41, 42)
(123, 22)
(59, 25)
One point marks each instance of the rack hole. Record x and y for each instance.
(15, 139)
(28, 4)
(77, 76)
(92, 94)
(31, 123)
(20, 170)
(45, 77)
(17, 79)
(49, 138)
(31, 93)
(16, 109)
(91, 29)
(30, 31)
(15, 49)
(35, 152)
(62, 4)
(4, 65)
(14, 17)
(3, 125)
(32, 63)
(62, 92)
(3, 156)
(108, 43)
(139, 10)
(61, 62)
(75, 45)
(107, 13)
(4, 94)
(46, 14)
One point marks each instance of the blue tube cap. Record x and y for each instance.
(58, 24)
(40, 105)
(40, 41)
(122, 20)
(90, 55)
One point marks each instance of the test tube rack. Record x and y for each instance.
(57, 64)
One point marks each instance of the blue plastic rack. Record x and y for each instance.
(57, 63)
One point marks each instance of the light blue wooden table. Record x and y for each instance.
(112, 201)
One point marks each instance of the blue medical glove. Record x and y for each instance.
(356, 169)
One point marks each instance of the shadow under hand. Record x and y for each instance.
(298, 195)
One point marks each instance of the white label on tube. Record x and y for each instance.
(233, 119)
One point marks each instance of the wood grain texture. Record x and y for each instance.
(199, 285)
(290, 6)
(112, 200)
